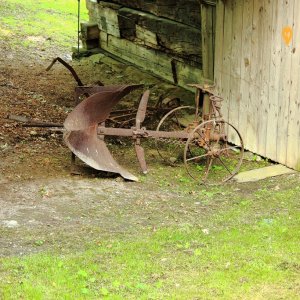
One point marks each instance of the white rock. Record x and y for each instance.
(10, 223)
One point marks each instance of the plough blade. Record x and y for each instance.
(81, 129)
(96, 108)
(86, 145)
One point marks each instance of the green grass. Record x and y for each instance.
(231, 257)
(56, 21)
(246, 248)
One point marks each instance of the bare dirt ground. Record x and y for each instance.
(42, 205)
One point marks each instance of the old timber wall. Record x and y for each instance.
(257, 72)
(163, 37)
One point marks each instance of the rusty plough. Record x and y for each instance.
(199, 140)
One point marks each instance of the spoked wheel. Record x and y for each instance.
(209, 157)
(179, 119)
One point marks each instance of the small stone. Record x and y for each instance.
(248, 156)
(119, 179)
(173, 159)
(258, 158)
(33, 132)
(10, 223)
(3, 146)
(205, 231)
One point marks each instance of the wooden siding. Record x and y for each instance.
(257, 73)
(152, 36)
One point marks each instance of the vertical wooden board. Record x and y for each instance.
(227, 45)
(214, 16)
(255, 77)
(293, 140)
(275, 56)
(235, 68)
(244, 113)
(286, 12)
(207, 40)
(219, 46)
(265, 45)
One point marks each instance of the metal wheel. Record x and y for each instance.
(209, 157)
(178, 119)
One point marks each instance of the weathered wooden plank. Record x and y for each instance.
(105, 14)
(91, 6)
(235, 69)
(146, 37)
(245, 90)
(256, 74)
(183, 11)
(255, 77)
(151, 60)
(219, 46)
(274, 81)
(286, 14)
(262, 83)
(128, 19)
(172, 37)
(207, 29)
(227, 47)
(293, 140)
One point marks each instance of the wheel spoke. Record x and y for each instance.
(229, 148)
(225, 165)
(197, 157)
(208, 169)
(178, 123)
(210, 137)
(225, 149)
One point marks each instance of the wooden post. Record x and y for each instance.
(208, 32)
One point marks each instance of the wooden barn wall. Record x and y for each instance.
(162, 37)
(257, 66)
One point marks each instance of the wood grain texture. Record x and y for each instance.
(286, 13)
(218, 65)
(227, 58)
(264, 74)
(264, 71)
(293, 140)
(207, 34)
(246, 101)
(274, 82)
(183, 11)
(235, 68)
